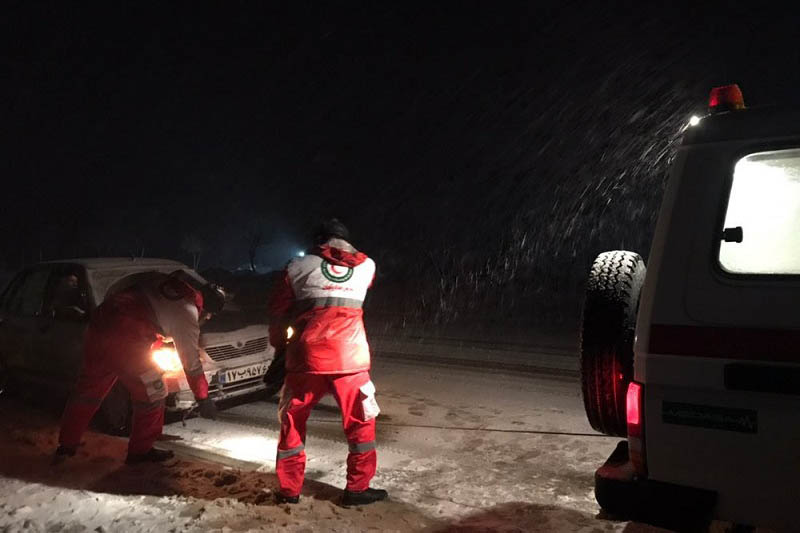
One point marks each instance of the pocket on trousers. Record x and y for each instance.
(154, 385)
(369, 404)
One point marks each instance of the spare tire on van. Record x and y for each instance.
(607, 332)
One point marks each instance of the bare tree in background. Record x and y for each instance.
(194, 246)
(255, 238)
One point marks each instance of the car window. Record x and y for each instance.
(26, 300)
(765, 202)
(66, 289)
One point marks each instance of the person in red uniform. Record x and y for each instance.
(320, 296)
(118, 342)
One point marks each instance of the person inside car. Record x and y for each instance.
(67, 297)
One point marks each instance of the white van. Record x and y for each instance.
(708, 392)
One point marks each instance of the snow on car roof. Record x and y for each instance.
(102, 263)
(104, 272)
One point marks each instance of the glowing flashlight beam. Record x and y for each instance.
(250, 448)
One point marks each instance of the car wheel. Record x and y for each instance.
(116, 412)
(607, 331)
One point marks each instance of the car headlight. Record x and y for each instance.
(167, 359)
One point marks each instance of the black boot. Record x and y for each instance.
(153, 455)
(364, 497)
(62, 452)
(282, 498)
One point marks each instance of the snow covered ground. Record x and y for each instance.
(460, 449)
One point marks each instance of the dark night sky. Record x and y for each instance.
(450, 135)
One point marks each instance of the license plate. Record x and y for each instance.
(243, 372)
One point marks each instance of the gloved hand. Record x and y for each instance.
(273, 379)
(277, 368)
(207, 408)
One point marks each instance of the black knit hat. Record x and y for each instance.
(329, 229)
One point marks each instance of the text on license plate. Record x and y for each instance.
(244, 372)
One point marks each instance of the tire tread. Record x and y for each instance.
(609, 319)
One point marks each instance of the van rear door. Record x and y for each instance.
(723, 341)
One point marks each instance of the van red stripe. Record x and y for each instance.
(728, 343)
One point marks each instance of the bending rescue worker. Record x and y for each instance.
(121, 333)
(320, 296)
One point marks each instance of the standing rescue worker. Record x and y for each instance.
(320, 297)
(118, 342)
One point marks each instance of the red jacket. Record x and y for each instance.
(321, 296)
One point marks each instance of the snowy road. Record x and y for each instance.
(460, 449)
(454, 442)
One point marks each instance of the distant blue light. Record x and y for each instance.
(301, 254)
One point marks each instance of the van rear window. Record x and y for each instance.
(764, 202)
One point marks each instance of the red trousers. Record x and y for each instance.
(300, 394)
(112, 353)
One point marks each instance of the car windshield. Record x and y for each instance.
(765, 202)
(102, 280)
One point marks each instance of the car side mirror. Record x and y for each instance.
(71, 313)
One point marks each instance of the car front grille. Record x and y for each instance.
(229, 351)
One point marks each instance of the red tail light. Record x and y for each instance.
(725, 98)
(634, 403)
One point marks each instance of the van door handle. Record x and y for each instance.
(733, 234)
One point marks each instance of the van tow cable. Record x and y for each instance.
(230, 417)
(187, 413)
(496, 430)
